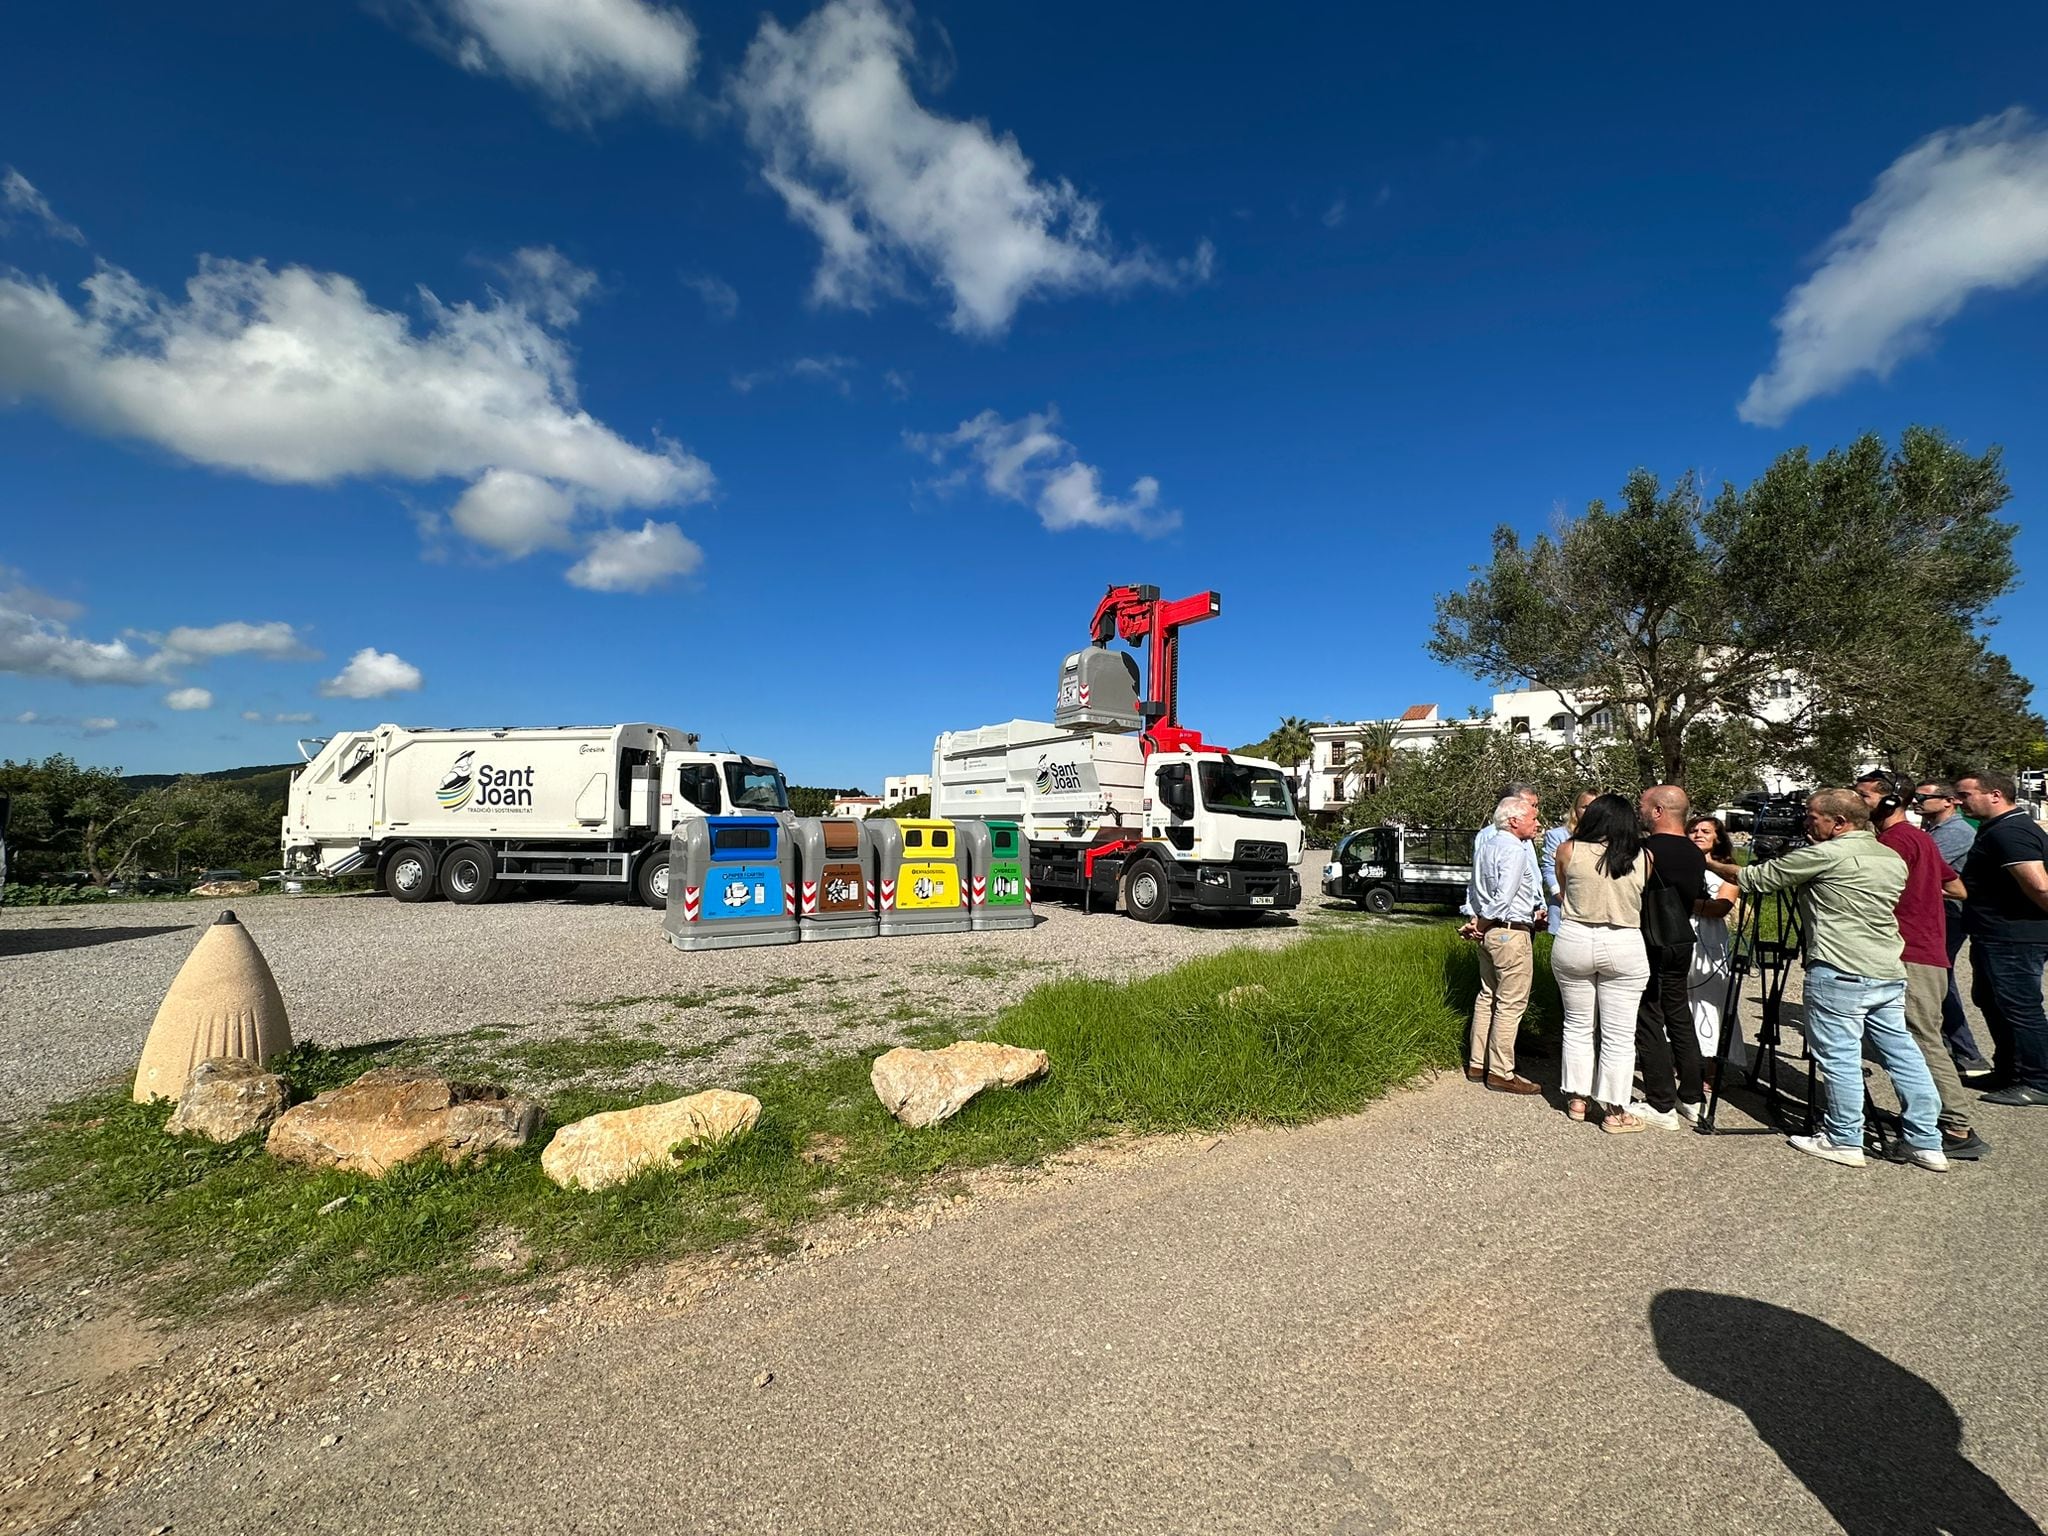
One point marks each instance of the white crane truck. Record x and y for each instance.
(1159, 819)
(462, 813)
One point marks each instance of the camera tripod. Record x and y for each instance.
(1765, 943)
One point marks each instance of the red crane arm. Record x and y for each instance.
(1137, 614)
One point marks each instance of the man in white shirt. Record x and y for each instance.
(1505, 899)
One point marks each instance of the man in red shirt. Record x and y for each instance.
(1923, 924)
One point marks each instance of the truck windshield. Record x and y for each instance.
(754, 788)
(1242, 790)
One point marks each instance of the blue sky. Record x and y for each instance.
(801, 376)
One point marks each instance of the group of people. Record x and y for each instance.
(1890, 883)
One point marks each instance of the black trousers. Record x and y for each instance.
(1667, 1049)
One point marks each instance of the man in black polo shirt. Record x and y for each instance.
(2006, 875)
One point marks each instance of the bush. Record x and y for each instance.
(53, 895)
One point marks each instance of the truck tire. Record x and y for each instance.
(1146, 895)
(410, 874)
(469, 875)
(650, 881)
(1379, 899)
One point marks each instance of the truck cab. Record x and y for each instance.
(1229, 832)
(720, 784)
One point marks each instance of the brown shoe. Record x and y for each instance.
(1515, 1084)
(1475, 1074)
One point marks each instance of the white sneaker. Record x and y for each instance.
(1933, 1159)
(1820, 1146)
(1690, 1113)
(1662, 1119)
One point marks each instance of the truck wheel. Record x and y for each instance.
(469, 875)
(1145, 892)
(650, 881)
(409, 873)
(1379, 899)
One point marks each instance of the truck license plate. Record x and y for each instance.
(1262, 901)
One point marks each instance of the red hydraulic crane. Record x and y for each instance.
(1145, 622)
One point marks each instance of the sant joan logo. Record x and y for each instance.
(486, 788)
(1057, 778)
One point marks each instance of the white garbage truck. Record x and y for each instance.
(1103, 820)
(465, 813)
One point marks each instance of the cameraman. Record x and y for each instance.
(1847, 887)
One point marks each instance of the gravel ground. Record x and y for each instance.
(79, 985)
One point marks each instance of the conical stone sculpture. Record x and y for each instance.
(224, 1002)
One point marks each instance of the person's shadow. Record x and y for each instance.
(1880, 1447)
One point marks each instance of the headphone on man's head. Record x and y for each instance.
(1890, 801)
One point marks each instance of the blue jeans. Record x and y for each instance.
(2008, 991)
(1955, 1024)
(1843, 1014)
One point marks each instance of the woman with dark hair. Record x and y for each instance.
(1601, 966)
(1707, 982)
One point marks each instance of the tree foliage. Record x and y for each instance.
(1866, 575)
(1289, 744)
(69, 818)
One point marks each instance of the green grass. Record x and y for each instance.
(1340, 1020)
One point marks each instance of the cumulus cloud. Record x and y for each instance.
(830, 370)
(19, 198)
(295, 376)
(590, 58)
(84, 725)
(624, 561)
(1963, 211)
(890, 187)
(515, 513)
(275, 641)
(1027, 462)
(292, 717)
(189, 698)
(35, 642)
(372, 674)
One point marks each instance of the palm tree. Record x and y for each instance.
(1291, 745)
(1374, 762)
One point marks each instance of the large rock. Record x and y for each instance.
(225, 1100)
(925, 1087)
(223, 1002)
(394, 1114)
(610, 1148)
(228, 888)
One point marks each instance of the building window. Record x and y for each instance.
(1518, 725)
(1602, 720)
(1337, 749)
(1781, 688)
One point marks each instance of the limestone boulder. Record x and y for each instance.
(610, 1148)
(228, 888)
(225, 1099)
(924, 1087)
(395, 1114)
(223, 1002)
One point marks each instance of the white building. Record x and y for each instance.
(899, 787)
(1563, 720)
(1333, 775)
(862, 806)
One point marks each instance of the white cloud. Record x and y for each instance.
(33, 643)
(19, 195)
(623, 561)
(721, 299)
(830, 370)
(1336, 213)
(275, 640)
(888, 186)
(1027, 462)
(189, 698)
(16, 593)
(292, 717)
(372, 674)
(295, 376)
(515, 513)
(88, 725)
(1963, 211)
(590, 58)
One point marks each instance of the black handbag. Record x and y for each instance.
(1667, 914)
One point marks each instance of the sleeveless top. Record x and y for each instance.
(1592, 896)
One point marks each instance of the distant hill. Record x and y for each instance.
(266, 781)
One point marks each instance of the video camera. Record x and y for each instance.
(1779, 827)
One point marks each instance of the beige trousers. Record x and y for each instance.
(1926, 986)
(1507, 967)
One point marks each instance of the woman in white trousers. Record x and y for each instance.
(1601, 967)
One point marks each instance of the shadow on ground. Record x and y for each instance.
(34, 941)
(1880, 1447)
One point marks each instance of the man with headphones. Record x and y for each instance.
(1923, 925)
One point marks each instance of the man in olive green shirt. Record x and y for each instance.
(1847, 885)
